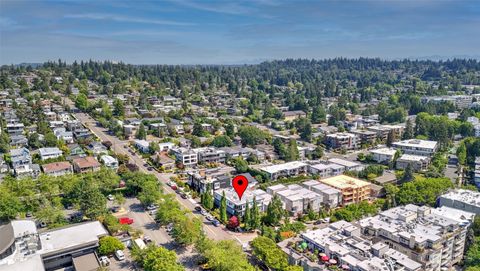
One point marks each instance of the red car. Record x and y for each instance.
(125, 220)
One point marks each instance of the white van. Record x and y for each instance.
(120, 255)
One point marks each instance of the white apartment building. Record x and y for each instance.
(417, 162)
(383, 155)
(326, 170)
(289, 169)
(465, 200)
(331, 197)
(185, 156)
(296, 199)
(417, 146)
(434, 238)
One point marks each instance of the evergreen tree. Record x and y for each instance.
(408, 174)
(247, 219)
(255, 216)
(223, 208)
(409, 131)
(292, 151)
(318, 114)
(274, 212)
(390, 138)
(141, 133)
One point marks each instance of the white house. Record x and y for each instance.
(109, 161)
(142, 145)
(49, 153)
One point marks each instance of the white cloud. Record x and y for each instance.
(127, 19)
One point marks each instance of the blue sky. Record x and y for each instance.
(224, 32)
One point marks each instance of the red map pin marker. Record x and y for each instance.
(240, 184)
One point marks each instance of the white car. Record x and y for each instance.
(104, 261)
(110, 197)
(120, 255)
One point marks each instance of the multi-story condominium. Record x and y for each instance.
(417, 146)
(476, 173)
(353, 190)
(460, 101)
(331, 197)
(57, 168)
(325, 170)
(346, 164)
(382, 131)
(210, 155)
(289, 169)
(366, 137)
(465, 200)
(342, 243)
(433, 237)
(213, 179)
(339, 141)
(185, 156)
(383, 155)
(296, 199)
(49, 153)
(416, 162)
(236, 206)
(237, 151)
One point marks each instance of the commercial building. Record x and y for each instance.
(22, 248)
(353, 190)
(342, 141)
(416, 162)
(288, 169)
(341, 244)
(465, 200)
(296, 199)
(417, 147)
(434, 238)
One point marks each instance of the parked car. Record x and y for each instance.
(104, 261)
(125, 220)
(152, 207)
(184, 196)
(210, 218)
(203, 212)
(152, 212)
(110, 197)
(198, 208)
(147, 239)
(120, 255)
(150, 168)
(174, 188)
(216, 223)
(169, 227)
(318, 222)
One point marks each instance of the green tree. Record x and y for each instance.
(255, 216)
(92, 202)
(10, 205)
(161, 259)
(187, 230)
(153, 147)
(50, 140)
(81, 102)
(141, 133)
(462, 154)
(198, 130)
(150, 193)
(274, 212)
(169, 210)
(221, 141)
(267, 251)
(409, 131)
(391, 193)
(118, 108)
(223, 208)
(247, 218)
(225, 255)
(240, 165)
(318, 114)
(108, 245)
(407, 174)
(251, 135)
(292, 151)
(423, 191)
